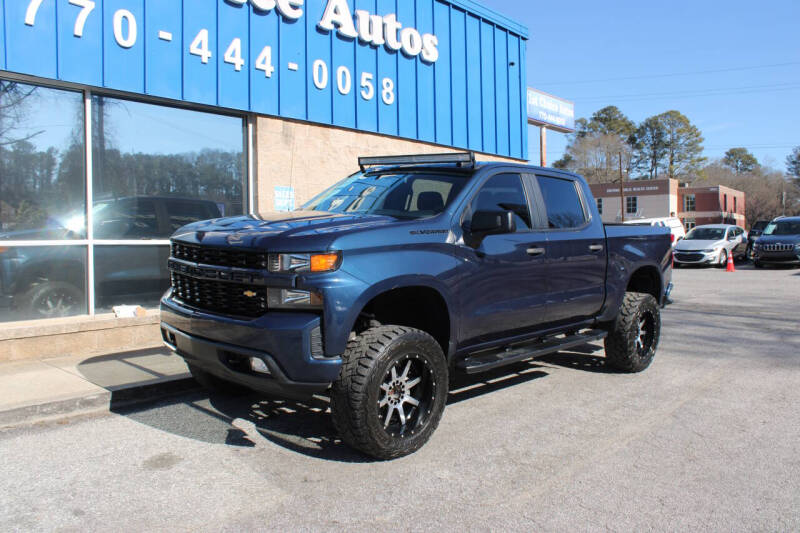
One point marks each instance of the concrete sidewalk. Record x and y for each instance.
(32, 391)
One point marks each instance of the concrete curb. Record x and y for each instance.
(108, 402)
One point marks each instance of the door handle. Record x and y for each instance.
(596, 248)
(535, 251)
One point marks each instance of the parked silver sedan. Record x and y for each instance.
(711, 244)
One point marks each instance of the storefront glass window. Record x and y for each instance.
(154, 169)
(129, 275)
(42, 160)
(42, 282)
(158, 168)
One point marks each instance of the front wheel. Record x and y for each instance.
(631, 344)
(391, 391)
(723, 258)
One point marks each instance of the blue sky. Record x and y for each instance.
(573, 44)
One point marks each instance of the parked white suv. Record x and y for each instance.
(673, 223)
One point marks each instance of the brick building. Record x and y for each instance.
(711, 205)
(695, 206)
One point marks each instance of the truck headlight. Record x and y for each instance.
(299, 263)
(293, 299)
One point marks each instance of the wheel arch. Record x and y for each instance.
(421, 303)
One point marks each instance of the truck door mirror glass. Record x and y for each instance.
(485, 223)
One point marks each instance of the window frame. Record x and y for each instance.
(464, 207)
(248, 185)
(635, 201)
(686, 199)
(587, 213)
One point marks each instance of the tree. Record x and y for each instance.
(650, 146)
(671, 143)
(740, 160)
(595, 149)
(607, 121)
(793, 164)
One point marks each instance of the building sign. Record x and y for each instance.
(449, 72)
(551, 112)
(284, 199)
(637, 188)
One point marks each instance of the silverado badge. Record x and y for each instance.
(250, 294)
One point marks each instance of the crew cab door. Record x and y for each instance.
(576, 251)
(504, 285)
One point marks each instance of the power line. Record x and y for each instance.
(674, 74)
(693, 93)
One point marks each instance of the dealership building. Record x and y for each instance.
(122, 120)
(694, 206)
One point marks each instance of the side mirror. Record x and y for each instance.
(485, 223)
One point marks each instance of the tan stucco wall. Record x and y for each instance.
(310, 157)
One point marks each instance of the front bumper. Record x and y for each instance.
(696, 258)
(223, 347)
(776, 258)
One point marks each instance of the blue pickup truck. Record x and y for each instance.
(384, 286)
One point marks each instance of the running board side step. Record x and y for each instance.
(488, 360)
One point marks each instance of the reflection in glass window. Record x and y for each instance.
(157, 168)
(42, 282)
(564, 208)
(504, 192)
(42, 191)
(129, 275)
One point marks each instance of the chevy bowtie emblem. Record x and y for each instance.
(250, 294)
(234, 238)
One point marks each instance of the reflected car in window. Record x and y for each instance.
(45, 282)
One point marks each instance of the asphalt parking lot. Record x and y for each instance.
(705, 439)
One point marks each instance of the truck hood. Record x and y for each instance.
(779, 239)
(694, 245)
(289, 232)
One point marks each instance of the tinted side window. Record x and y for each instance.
(564, 209)
(504, 192)
(127, 218)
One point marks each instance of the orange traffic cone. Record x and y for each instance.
(730, 267)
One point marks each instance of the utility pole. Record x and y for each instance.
(542, 146)
(621, 193)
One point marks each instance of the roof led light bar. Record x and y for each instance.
(461, 158)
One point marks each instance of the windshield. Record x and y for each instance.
(783, 228)
(706, 234)
(399, 195)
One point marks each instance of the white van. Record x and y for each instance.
(673, 223)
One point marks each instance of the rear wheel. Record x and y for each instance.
(391, 391)
(632, 342)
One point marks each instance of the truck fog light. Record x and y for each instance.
(258, 365)
(293, 299)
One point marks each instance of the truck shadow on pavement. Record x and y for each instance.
(304, 427)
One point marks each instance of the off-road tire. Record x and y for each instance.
(356, 394)
(214, 384)
(622, 351)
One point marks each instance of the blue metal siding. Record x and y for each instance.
(443, 70)
(80, 59)
(470, 97)
(162, 77)
(458, 75)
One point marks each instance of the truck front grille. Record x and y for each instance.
(226, 257)
(219, 296)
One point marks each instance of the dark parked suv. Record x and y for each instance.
(779, 244)
(753, 234)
